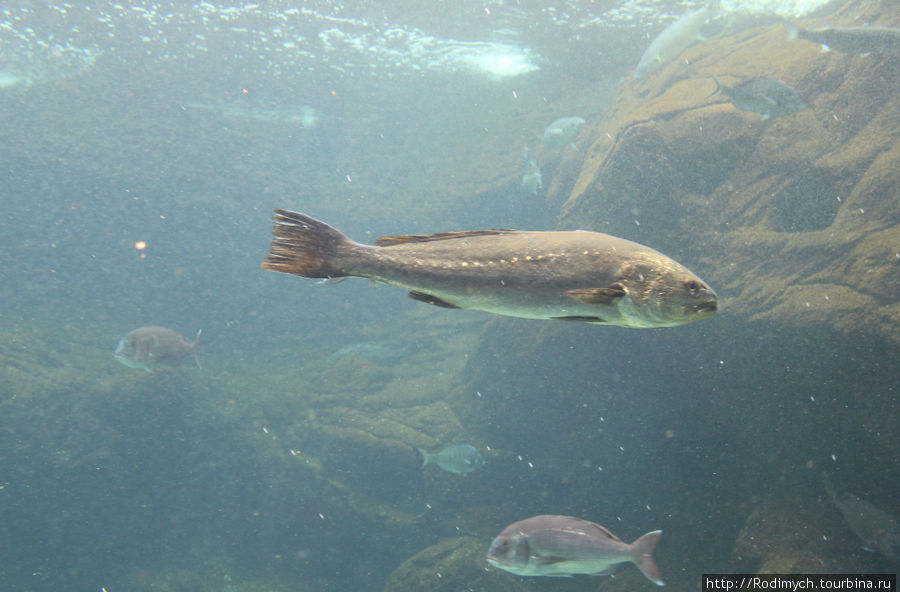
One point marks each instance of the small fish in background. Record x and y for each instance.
(379, 353)
(458, 458)
(766, 96)
(878, 530)
(566, 546)
(562, 133)
(148, 347)
(865, 39)
(674, 39)
(531, 173)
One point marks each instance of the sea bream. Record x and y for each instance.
(149, 347)
(567, 275)
(567, 546)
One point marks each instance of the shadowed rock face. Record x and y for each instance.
(795, 218)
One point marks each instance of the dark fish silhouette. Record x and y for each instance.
(577, 276)
(877, 529)
(766, 96)
(150, 346)
(865, 39)
(566, 546)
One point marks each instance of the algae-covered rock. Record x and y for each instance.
(449, 566)
(791, 535)
(792, 219)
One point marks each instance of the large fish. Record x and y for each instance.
(878, 530)
(566, 546)
(674, 39)
(148, 347)
(576, 275)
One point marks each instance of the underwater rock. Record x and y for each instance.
(452, 565)
(790, 535)
(795, 217)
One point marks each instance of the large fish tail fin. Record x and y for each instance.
(642, 556)
(718, 90)
(306, 247)
(194, 349)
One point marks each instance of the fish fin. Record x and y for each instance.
(429, 299)
(792, 32)
(597, 295)
(424, 457)
(551, 560)
(387, 241)
(718, 90)
(596, 320)
(304, 246)
(642, 556)
(194, 348)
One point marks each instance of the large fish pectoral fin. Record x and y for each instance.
(598, 295)
(429, 299)
(549, 560)
(582, 319)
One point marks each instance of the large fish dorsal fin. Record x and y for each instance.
(606, 531)
(387, 241)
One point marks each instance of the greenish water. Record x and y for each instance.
(282, 466)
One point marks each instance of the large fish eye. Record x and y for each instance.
(692, 286)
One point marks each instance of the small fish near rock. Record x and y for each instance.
(862, 39)
(562, 132)
(577, 275)
(149, 347)
(566, 546)
(766, 96)
(674, 39)
(458, 458)
(876, 529)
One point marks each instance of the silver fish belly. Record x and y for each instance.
(567, 275)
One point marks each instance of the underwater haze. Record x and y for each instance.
(144, 149)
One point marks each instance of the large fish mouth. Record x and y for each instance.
(710, 306)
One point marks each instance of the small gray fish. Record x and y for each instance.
(574, 275)
(878, 530)
(765, 96)
(382, 353)
(150, 346)
(458, 458)
(562, 132)
(865, 39)
(674, 39)
(566, 546)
